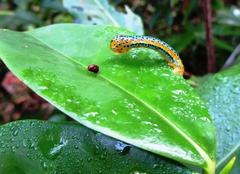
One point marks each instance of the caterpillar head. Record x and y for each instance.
(120, 44)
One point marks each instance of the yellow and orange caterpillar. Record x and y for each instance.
(122, 44)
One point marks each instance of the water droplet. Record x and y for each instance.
(42, 87)
(97, 147)
(15, 133)
(177, 92)
(55, 151)
(44, 165)
(122, 147)
(155, 166)
(102, 156)
(90, 114)
(114, 112)
(24, 143)
(157, 130)
(32, 145)
(13, 148)
(228, 128)
(69, 100)
(76, 147)
(130, 105)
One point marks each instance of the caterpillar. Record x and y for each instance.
(123, 43)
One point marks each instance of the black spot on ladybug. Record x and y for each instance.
(93, 68)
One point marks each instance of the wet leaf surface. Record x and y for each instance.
(135, 97)
(221, 92)
(33, 146)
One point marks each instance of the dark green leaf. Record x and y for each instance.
(224, 30)
(223, 45)
(29, 147)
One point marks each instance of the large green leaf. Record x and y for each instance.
(135, 97)
(222, 95)
(45, 147)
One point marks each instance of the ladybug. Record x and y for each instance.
(93, 68)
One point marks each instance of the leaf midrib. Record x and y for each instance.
(145, 104)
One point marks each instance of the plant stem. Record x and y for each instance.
(207, 13)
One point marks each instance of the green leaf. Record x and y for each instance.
(100, 12)
(33, 146)
(226, 30)
(135, 97)
(228, 167)
(221, 93)
(223, 45)
(236, 166)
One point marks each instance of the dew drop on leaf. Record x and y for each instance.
(15, 133)
(89, 159)
(122, 147)
(55, 151)
(76, 147)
